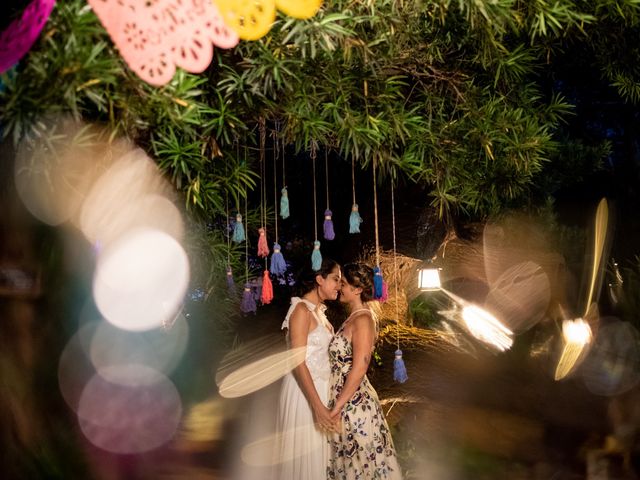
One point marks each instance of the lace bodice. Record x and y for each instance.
(317, 358)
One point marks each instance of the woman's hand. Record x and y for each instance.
(322, 417)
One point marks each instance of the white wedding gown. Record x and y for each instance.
(302, 450)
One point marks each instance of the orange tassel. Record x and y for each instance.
(267, 289)
(263, 248)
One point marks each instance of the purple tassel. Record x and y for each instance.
(377, 283)
(248, 303)
(399, 369)
(329, 234)
(278, 265)
(231, 285)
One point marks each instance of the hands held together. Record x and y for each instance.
(327, 420)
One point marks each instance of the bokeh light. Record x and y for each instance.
(487, 328)
(576, 336)
(158, 349)
(613, 364)
(141, 279)
(130, 194)
(520, 296)
(57, 164)
(260, 373)
(131, 418)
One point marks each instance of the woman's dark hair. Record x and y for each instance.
(360, 275)
(307, 277)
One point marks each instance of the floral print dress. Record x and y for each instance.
(364, 448)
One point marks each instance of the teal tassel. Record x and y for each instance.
(354, 219)
(284, 204)
(238, 230)
(399, 369)
(316, 256)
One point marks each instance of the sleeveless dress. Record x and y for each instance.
(364, 448)
(302, 450)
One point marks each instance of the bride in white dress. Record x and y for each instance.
(303, 417)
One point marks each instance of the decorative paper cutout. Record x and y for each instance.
(21, 34)
(299, 8)
(154, 36)
(252, 19)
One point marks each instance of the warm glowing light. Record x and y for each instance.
(260, 373)
(487, 328)
(576, 335)
(55, 167)
(576, 331)
(429, 279)
(141, 279)
(130, 194)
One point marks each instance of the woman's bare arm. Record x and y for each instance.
(300, 323)
(362, 336)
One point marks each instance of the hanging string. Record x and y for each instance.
(375, 212)
(276, 153)
(263, 246)
(316, 256)
(284, 201)
(399, 368)
(395, 263)
(326, 174)
(378, 284)
(327, 226)
(248, 302)
(231, 286)
(354, 218)
(278, 265)
(315, 209)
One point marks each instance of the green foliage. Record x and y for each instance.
(451, 94)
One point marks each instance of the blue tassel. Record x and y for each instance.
(278, 265)
(284, 203)
(399, 369)
(329, 234)
(231, 285)
(354, 219)
(248, 303)
(238, 230)
(378, 288)
(316, 256)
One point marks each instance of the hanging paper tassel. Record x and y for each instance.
(354, 219)
(231, 285)
(377, 283)
(385, 292)
(278, 265)
(399, 369)
(284, 203)
(238, 230)
(263, 248)
(267, 289)
(329, 234)
(316, 256)
(248, 303)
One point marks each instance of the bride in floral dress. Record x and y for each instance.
(362, 448)
(302, 448)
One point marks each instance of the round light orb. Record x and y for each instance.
(158, 349)
(129, 419)
(141, 280)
